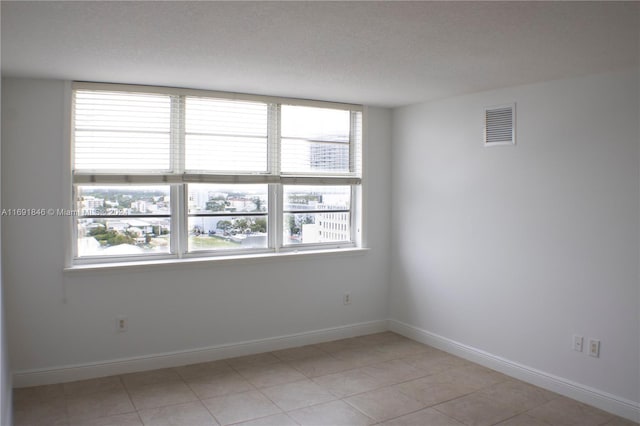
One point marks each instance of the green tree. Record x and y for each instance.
(216, 205)
(111, 237)
(224, 225)
(258, 202)
(242, 224)
(259, 225)
(294, 229)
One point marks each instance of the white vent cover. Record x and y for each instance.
(500, 125)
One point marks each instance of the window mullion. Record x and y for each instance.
(274, 221)
(178, 192)
(177, 134)
(177, 220)
(273, 139)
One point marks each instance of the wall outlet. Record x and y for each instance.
(577, 343)
(122, 323)
(594, 348)
(346, 299)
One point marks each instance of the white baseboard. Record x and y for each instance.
(71, 373)
(603, 400)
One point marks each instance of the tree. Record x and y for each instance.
(224, 225)
(291, 224)
(111, 237)
(258, 202)
(241, 224)
(216, 205)
(259, 225)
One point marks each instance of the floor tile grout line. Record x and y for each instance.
(368, 347)
(130, 398)
(210, 413)
(359, 410)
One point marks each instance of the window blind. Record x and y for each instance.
(225, 136)
(139, 137)
(116, 132)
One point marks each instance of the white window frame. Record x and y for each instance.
(274, 178)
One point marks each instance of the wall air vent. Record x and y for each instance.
(500, 125)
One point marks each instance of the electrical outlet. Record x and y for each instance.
(122, 323)
(577, 343)
(594, 348)
(346, 299)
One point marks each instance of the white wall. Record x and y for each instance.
(511, 250)
(5, 371)
(58, 319)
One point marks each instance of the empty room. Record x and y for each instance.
(320, 213)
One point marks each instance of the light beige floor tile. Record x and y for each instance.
(348, 383)
(384, 337)
(189, 414)
(434, 362)
(518, 394)
(523, 420)
(478, 410)
(335, 413)
(339, 345)
(99, 404)
(474, 376)
(240, 407)
(129, 419)
(363, 356)
(151, 377)
(273, 420)
(203, 369)
(359, 369)
(384, 404)
(270, 375)
(221, 384)
(101, 384)
(321, 366)
(51, 412)
(253, 360)
(426, 417)
(435, 389)
(296, 395)
(42, 422)
(619, 421)
(394, 371)
(161, 394)
(302, 352)
(567, 412)
(37, 393)
(403, 348)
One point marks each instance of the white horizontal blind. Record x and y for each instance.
(315, 140)
(122, 136)
(225, 136)
(116, 132)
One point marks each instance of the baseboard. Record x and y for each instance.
(71, 373)
(603, 400)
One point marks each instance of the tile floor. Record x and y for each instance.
(378, 379)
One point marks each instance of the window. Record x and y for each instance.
(170, 173)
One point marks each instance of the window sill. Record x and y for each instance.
(226, 260)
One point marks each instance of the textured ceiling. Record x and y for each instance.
(377, 53)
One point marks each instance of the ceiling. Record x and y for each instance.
(376, 53)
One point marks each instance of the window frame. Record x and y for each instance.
(178, 183)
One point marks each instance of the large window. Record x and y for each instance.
(170, 173)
